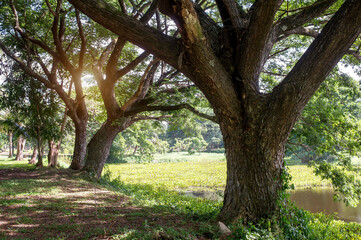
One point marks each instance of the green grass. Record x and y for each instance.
(11, 163)
(205, 175)
(161, 213)
(185, 157)
(206, 172)
(153, 190)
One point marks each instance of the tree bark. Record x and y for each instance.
(254, 167)
(20, 148)
(40, 149)
(34, 155)
(99, 146)
(80, 146)
(11, 152)
(53, 153)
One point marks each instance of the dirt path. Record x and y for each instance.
(56, 204)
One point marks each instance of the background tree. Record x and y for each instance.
(129, 90)
(36, 108)
(56, 38)
(225, 61)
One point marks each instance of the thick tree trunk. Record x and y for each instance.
(99, 146)
(11, 152)
(53, 153)
(20, 148)
(79, 147)
(33, 156)
(255, 144)
(253, 176)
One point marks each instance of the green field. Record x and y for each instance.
(205, 171)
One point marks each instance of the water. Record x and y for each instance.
(321, 200)
(313, 200)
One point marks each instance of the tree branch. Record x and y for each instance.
(355, 54)
(111, 67)
(148, 38)
(141, 118)
(300, 31)
(170, 108)
(143, 85)
(83, 41)
(121, 72)
(254, 42)
(25, 36)
(307, 14)
(318, 60)
(46, 82)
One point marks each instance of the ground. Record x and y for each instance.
(57, 204)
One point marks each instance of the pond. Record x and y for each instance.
(313, 200)
(321, 200)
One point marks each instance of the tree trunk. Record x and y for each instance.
(255, 144)
(135, 149)
(253, 177)
(33, 156)
(99, 146)
(11, 152)
(20, 148)
(79, 147)
(40, 151)
(53, 153)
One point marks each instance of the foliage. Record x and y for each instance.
(183, 132)
(345, 182)
(36, 107)
(329, 125)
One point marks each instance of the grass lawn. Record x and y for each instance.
(204, 172)
(136, 201)
(46, 203)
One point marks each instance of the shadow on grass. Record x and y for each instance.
(53, 206)
(163, 200)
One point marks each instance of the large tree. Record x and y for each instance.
(225, 61)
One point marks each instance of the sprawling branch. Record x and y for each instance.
(25, 36)
(232, 21)
(299, 19)
(130, 66)
(148, 38)
(300, 31)
(142, 118)
(83, 41)
(62, 94)
(169, 108)
(355, 54)
(143, 87)
(320, 58)
(254, 42)
(211, 30)
(58, 40)
(114, 57)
